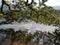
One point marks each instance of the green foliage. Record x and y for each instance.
(46, 14)
(1, 15)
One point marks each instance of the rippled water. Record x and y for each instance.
(31, 25)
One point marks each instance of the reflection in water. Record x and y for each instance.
(31, 25)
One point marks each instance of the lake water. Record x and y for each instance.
(31, 26)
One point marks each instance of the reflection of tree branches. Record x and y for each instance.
(54, 37)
